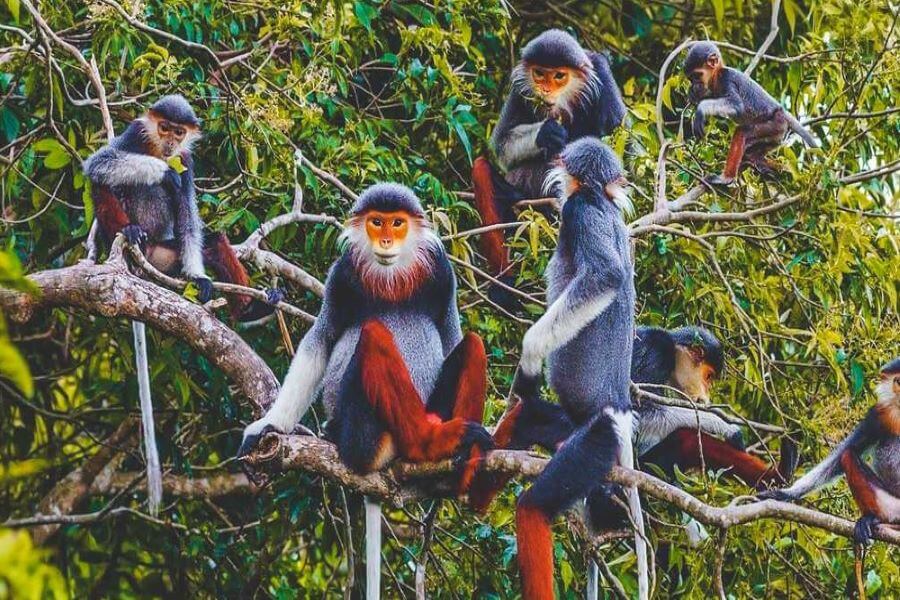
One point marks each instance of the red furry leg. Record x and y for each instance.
(863, 484)
(720, 455)
(390, 390)
(486, 486)
(219, 256)
(535, 542)
(735, 155)
(108, 211)
(471, 390)
(493, 245)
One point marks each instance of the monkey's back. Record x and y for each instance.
(592, 371)
(759, 105)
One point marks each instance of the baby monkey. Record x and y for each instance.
(762, 122)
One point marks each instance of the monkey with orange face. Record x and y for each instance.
(396, 374)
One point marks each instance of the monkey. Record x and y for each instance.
(875, 489)
(762, 122)
(138, 194)
(397, 376)
(559, 92)
(688, 359)
(586, 338)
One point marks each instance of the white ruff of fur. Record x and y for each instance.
(884, 391)
(557, 182)
(622, 199)
(398, 281)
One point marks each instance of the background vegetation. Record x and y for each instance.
(805, 298)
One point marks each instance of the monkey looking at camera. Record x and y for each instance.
(137, 192)
(876, 491)
(762, 122)
(559, 92)
(398, 378)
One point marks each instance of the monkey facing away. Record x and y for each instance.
(398, 378)
(559, 92)
(688, 359)
(876, 489)
(586, 337)
(136, 192)
(762, 122)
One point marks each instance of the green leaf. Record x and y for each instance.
(13, 6)
(57, 159)
(177, 164)
(14, 368)
(9, 123)
(364, 14)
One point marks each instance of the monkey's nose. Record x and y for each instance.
(386, 243)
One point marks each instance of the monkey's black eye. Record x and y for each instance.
(560, 75)
(377, 222)
(398, 222)
(538, 72)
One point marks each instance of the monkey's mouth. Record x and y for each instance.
(386, 259)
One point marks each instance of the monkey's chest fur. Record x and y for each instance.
(150, 207)
(886, 461)
(592, 371)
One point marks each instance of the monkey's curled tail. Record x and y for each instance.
(624, 427)
(802, 131)
(154, 471)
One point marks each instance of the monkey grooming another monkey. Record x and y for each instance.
(762, 122)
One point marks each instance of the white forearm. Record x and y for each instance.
(520, 145)
(114, 167)
(717, 107)
(299, 389)
(559, 325)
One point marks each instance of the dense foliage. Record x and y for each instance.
(805, 298)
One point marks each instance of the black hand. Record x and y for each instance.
(864, 530)
(526, 387)
(274, 296)
(474, 435)
(134, 235)
(204, 289)
(698, 126)
(250, 441)
(172, 181)
(551, 138)
(736, 439)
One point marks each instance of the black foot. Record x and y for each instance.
(790, 458)
(204, 289)
(526, 387)
(475, 435)
(865, 529)
(258, 309)
(766, 171)
(134, 235)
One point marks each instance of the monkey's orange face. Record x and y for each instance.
(169, 137)
(888, 388)
(693, 375)
(551, 83)
(387, 233)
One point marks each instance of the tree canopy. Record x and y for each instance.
(303, 105)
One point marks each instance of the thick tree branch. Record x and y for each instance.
(397, 484)
(111, 290)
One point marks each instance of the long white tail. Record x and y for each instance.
(593, 581)
(154, 470)
(624, 426)
(373, 549)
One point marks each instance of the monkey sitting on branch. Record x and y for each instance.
(876, 491)
(142, 185)
(398, 378)
(762, 122)
(559, 92)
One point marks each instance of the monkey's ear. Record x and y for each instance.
(697, 354)
(712, 61)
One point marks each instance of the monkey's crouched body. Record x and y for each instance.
(876, 489)
(398, 378)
